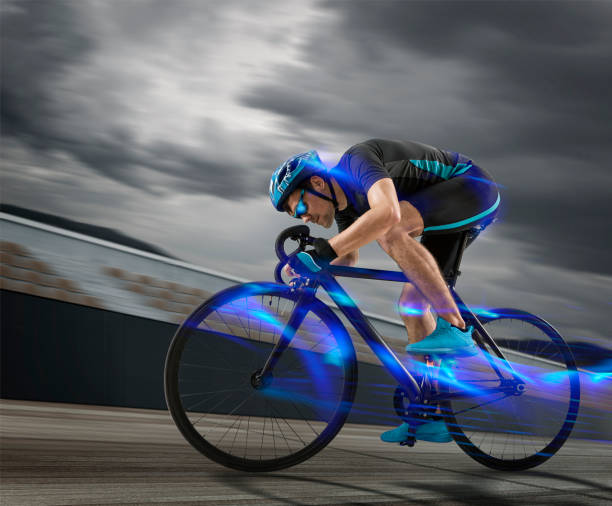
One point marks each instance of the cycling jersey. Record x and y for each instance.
(449, 190)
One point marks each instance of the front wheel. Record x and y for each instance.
(225, 408)
(513, 413)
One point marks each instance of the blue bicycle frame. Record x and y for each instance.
(326, 279)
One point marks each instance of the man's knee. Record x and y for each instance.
(395, 236)
(411, 220)
(410, 226)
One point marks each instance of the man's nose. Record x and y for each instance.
(305, 218)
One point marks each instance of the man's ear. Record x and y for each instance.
(317, 182)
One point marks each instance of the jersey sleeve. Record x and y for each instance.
(366, 164)
(344, 221)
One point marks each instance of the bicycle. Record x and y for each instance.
(262, 375)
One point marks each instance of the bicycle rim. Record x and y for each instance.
(513, 430)
(211, 365)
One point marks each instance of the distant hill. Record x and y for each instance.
(107, 234)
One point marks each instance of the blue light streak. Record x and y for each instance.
(342, 299)
(596, 378)
(411, 311)
(267, 318)
(482, 311)
(333, 357)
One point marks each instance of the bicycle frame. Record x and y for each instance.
(326, 280)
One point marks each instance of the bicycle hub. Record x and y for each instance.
(259, 381)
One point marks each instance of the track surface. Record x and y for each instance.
(76, 454)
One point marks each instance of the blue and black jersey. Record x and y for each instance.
(450, 191)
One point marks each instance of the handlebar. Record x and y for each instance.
(300, 233)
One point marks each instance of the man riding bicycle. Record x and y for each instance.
(392, 192)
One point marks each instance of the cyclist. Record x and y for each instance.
(393, 192)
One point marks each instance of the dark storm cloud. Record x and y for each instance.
(547, 62)
(540, 69)
(523, 87)
(568, 229)
(42, 44)
(40, 40)
(282, 100)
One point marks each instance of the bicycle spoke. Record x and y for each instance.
(230, 413)
(235, 436)
(262, 440)
(201, 402)
(280, 429)
(207, 345)
(209, 367)
(288, 368)
(290, 427)
(211, 392)
(228, 429)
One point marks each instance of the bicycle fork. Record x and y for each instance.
(263, 377)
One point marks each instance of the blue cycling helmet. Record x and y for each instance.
(288, 176)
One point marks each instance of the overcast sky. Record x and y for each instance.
(164, 119)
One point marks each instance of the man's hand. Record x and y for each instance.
(313, 260)
(348, 260)
(290, 272)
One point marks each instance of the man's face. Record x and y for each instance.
(318, 210)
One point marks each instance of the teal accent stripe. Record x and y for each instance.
(462, 167)
(467, 220)
(437, 168)
(441, 170)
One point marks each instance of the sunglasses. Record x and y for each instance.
(301, 208)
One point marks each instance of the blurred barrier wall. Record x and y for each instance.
(88, 321)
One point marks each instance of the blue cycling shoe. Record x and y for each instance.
(446, 340)
(396, 435)
(434, 432)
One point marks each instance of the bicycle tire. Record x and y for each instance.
(246, 340)
(493, 431)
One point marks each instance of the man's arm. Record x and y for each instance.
(349, 260)
(383, 214)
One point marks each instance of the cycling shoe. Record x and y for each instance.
(396, 435)
(434, 432)
(446, 340)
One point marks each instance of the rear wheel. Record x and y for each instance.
(239, 419)
(513, 413)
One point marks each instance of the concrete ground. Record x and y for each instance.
(76, 454)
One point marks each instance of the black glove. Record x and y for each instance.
(315, 259)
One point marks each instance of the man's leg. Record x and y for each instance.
(414, 309)
(421, 267)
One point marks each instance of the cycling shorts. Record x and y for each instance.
(466, 201)
(462, 202)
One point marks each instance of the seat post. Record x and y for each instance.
(451, 277)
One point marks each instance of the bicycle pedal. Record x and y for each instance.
(409, 442)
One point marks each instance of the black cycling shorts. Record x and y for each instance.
(467, 201)
(459, 203)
